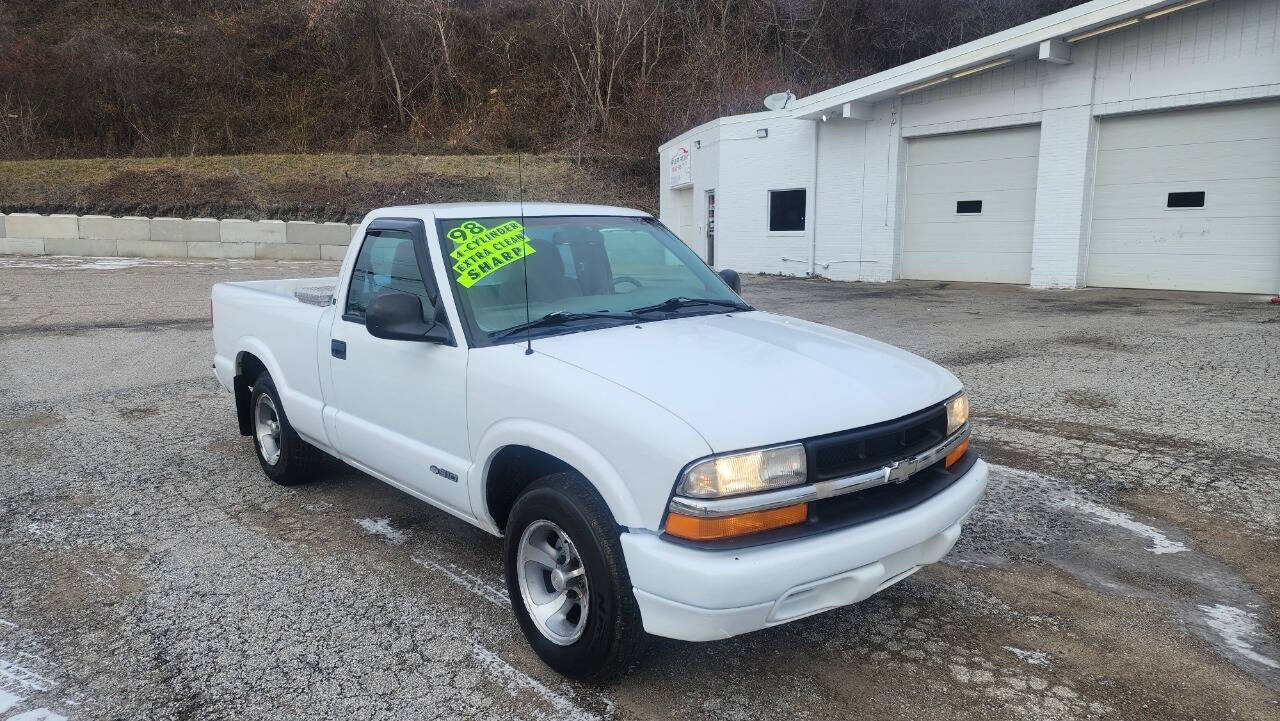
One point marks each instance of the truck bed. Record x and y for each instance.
(312, 291)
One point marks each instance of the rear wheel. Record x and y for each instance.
(286, 458)
(568, 581)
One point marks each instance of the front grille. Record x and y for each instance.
(863, 449)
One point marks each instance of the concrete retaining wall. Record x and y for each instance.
(102, 235)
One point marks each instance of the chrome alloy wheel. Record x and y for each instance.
(553, 582)
(266, 428)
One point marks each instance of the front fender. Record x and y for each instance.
(628, 447)
(561, 444)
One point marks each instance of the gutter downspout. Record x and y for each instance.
(813, 217)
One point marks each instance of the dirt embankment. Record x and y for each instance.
(310, 187)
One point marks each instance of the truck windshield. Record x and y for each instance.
(584, 271)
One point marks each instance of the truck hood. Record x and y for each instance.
(751, 379)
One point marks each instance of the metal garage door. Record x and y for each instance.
(1222, 165)
(970, 206)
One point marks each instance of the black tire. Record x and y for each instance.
(298, 460)
(613, 638)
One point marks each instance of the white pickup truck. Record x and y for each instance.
(660, 457)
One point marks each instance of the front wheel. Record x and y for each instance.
(568, 582)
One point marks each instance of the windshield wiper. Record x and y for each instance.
(679, 302)
(560, 317)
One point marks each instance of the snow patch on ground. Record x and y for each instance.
(1059, 494)
(67, 262)
(61, 262)
(108, 264)
(382, 528)
(15, 677)
(40, 714)
(1219, 606)
(14, 674)
(1160, 543)
(471, 582)
(8, 700)
(1035, 658)
(20, 263)
(520, 684)
(1235, 625)
(21, 684)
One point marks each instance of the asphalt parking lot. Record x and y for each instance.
(1125, 563)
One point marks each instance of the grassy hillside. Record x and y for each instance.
(308, 187)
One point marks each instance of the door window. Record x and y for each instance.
(387, 262)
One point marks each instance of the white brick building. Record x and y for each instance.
(1123, 143)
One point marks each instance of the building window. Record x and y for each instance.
(786, 210)
(1186, 200)
(968, 207)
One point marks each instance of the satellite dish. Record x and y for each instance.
(779, 101)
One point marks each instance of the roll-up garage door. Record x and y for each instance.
(1188, 200)
(970, 206)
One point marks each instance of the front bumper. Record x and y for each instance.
(699, 595)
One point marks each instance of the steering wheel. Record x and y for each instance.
(626, 279)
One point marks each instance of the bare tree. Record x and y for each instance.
(600, 38)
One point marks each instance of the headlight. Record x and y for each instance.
(957, 412)
(749, 472)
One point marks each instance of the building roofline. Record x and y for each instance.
(1012, 42)
(723, 121)
(1006, 42)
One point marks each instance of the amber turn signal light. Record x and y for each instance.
(956, 454)
(700, 528)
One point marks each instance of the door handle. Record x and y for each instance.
(338, 348)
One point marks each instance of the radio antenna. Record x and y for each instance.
(524, 245)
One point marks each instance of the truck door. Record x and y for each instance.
(400, 405)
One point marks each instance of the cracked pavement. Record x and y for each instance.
(1124, 564)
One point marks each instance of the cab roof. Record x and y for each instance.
(504, 210)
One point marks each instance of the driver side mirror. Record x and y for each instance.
(398, 316)
(732, 279)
